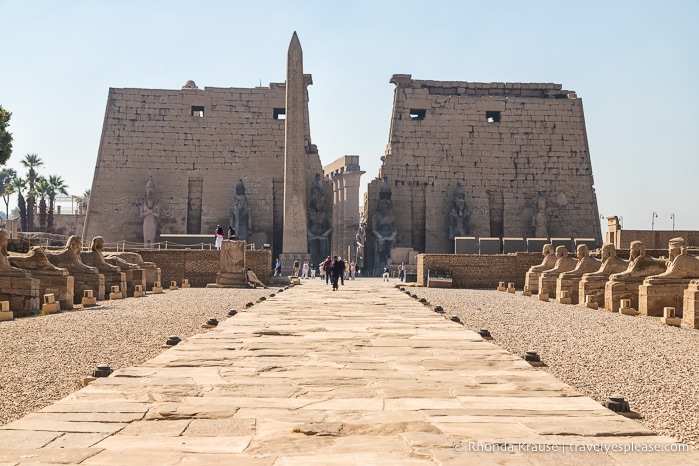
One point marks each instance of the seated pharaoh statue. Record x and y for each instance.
(680, 265)
(6, 269)
(585, 264)
(640, 265)
(611, 264)
(383, 226)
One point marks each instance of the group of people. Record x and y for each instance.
(218, 234)
(334, 271)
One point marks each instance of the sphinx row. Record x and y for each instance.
(642, 284)
(68, 273)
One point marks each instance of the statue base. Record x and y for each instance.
(547, 285)
(22, 294)
(6, 315)
(531, 279)
(690, 311)
(229, 280)
(593, 288)
(652, 298)
(571, 285)
(614, 292)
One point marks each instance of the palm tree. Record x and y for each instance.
(42, 188)
(30, 161)
(19, 185)
(6, 177)
(56, 185)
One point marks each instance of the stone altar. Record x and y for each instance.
(84, 276)
(531, 279)
(548, 278)
(625, 285)
(592, 284)
(113, 276)
(52, 280)
(231, 271)
(667, 289)
(570, 281)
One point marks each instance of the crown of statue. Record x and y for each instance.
(317, 184)
(240, 188)
(150, 183)
(385, 191)
(459, 192)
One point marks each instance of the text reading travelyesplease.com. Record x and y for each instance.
(563, 448)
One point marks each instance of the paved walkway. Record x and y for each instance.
(365, 375)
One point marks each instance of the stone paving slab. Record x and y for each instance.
(365, 375)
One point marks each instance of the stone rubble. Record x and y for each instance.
(600, 353)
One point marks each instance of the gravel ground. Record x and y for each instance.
(44, 359)
(654, 366)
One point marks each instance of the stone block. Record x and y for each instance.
(590, 302)
(564, 298)
(185, 283)
(594, 289)
(173, 286)
(548, 285)
(465, 245)
(501, 286)
(614, 292)
(157, 288)
(488, 246)
(536, 244)
(88, 298)
(512, 245)
(572, 288)
(138, 292)
(527, 291)
(653, 298)
(690, 310)
(511, 287)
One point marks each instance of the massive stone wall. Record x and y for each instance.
(506, 143)
(196, 144)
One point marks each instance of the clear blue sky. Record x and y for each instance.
(634, 64)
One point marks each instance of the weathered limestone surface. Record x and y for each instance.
(52, 280)
(531, 279)
(134, 274)
(501, 141)
(549, 278)
(112, 274)
(625, 285)
(151, 270)
(232, 264)
(22, 293)
(690, 316)
(84, 276)
(592, 284)
(570, 281)
(364, 376)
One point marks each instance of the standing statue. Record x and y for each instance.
(383, 225)
(460, 217)
(319, 226)
(539, 220)
(150, 211)
(240, 215)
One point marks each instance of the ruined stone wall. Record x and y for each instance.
(475, 271)
(196, 144)
(505, 142)
(654, 239)
(198, 266)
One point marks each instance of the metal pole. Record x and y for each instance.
(672, 216)
(652, 222)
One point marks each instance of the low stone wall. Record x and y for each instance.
(476, 271)
(260, 261)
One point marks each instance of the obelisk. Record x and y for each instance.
(295, 243)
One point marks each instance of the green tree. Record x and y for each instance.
(19, 185)
(56, 186)
(5, 136)
(6, 189)
(31, 161)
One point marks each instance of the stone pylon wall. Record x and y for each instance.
(196, 144)
(505, 142)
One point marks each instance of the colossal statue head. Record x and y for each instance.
(150, 188)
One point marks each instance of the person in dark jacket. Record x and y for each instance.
(338, 270)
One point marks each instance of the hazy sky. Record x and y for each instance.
(634, 64)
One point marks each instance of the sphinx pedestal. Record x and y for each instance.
(571, 285)
(614, 292)
(87, 281)
(690, 311)
(653, 297)
(595, 288)
(113, 279)
(133, 277)
(531, 279)
(62, 288)
(548, 285)
(22, 293)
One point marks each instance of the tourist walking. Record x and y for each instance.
(304, 270)
(338, 266)
(328, 269)
(218, 234)
(278, 269)
(353, 270)
(313, 270)
(297, 267)
(231, 232)
(401, 271)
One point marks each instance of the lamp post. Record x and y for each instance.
(672, 216)
(652, 222)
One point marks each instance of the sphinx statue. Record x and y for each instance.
(52, 280)
(548, 278)
(592, 283)
(113, 276)
(319, 227)
(150, 211)
(570, 281)
(680, 265)
(85, 277)
(625, 285)
(7, 269)
(383, 226)
(240, 214)
(459, 217)
(151, 270)
(16, 285)
(531, 280)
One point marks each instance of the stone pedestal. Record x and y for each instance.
(653, 297)
(5, 313)
(150, 270)
(531, 280)
(22, 293)
(87, 281)
(594, 288)
(571, 285)
(547, 285)
(614, 292)
(231, 268)
(690, 311)
(133, 277)
(62, 287)
(114, 279)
